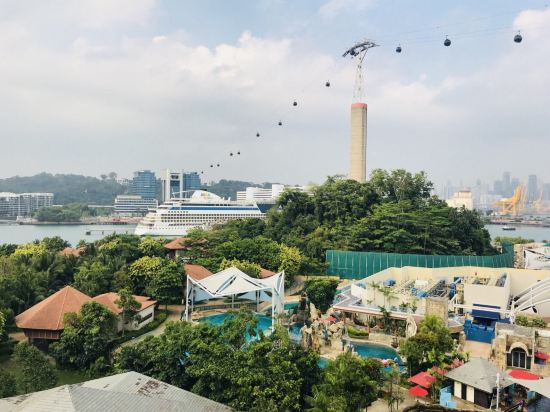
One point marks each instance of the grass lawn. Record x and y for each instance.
(64, 377)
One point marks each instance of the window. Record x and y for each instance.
(517, 358)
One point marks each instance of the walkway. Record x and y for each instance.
(174, 313)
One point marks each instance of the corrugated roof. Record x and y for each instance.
(108, 300)
(480, 374)
(125, 392)
(197, 272)
(48, 314)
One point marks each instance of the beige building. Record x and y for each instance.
(462, 198)
(358, 143)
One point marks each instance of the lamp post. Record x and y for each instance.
(497, 408)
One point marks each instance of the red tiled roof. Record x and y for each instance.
(108, 300)
(72, 251)
(48, 314)
(176, 244)
(264, 273)
(197, 272)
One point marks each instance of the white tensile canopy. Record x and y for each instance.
(234, 282)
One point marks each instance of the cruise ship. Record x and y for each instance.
(201, 209)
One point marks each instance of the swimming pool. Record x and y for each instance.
(264, 322)
(372, 350)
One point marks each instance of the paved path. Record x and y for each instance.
(174, 313)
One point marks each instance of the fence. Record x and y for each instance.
(358, 265)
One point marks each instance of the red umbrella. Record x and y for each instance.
(418, 391)
(542, 355)
(423, 379)
(331, 319)
(519, 374)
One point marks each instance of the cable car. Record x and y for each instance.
(257, 134)
(211, 165)
(295, 103)
(518, 38)
(447, 42)
(218, 165)
(327, 84)
(398, 49)
(239, 152)
(231, 154)
(280, 123)
(202, 172)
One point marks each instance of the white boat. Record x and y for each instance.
(508, 228)
(201, 209)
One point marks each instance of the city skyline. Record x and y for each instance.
(109, 86)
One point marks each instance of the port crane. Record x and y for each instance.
(513, 206)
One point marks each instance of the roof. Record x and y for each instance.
(197, 272)
(49, 314)
(264, 273)
(541, 386)
(72, 251)
(108, 300)
(423, 379)
(481, 374)
(176, 244)
(125, 392)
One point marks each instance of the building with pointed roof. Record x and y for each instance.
(45, 319)
(197, 272)
(143, 316)
(125, 392)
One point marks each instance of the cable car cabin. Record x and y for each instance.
(295, 103)
(398, 49)
(327, 84)
(447, 42)
(280, 123)
(257, 134)
(518, 38)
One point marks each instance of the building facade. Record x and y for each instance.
(175, 182)
(23, 204)
(130, 205)
(144, 184)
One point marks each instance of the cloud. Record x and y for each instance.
(333, 8)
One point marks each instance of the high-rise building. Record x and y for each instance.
(144, 184)
(192, 181)
(174, 183)
(23, 204)
(506, 184)
(532, 188)
(358, 143)
(130, 205)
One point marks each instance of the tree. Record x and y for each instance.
(354, 379)
(150, 246)
(431, 344)
(251, 269)
(321, 292)
(8, 386)
(291, 261)
(2, 325)
(36, 373)
(393, 393)
(86, 336)
(129, 306)
(93, 278)
(143, 270)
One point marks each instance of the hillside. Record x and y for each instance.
(229, 188)
(67, 188)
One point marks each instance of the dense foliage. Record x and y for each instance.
(86, 336)
(430, 346)
(35, 371)
(392, 212)
(229, 188)
(271, 374)
(349, 384)
(73, 212)
(321, 292)
(67, 188)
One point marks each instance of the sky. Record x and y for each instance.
(95, 86)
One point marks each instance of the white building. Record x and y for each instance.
(175, 182)
(129, 205)
(462, 198)
(23, 204)
(143, 316)
(259, 194)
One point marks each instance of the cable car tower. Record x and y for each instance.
(358, 52)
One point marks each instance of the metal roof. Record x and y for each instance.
(125, 392)
(480, 374)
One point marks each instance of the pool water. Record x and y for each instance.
(372, 350)
(264, 322)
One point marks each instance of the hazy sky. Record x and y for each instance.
(93, 86)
